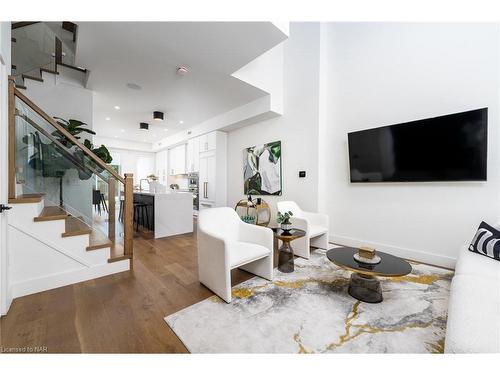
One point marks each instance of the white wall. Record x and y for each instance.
(297, 129)
(5, 63)
(380, 74)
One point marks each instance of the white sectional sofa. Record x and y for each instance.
(474, 307)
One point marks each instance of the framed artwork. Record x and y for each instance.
(262, 169)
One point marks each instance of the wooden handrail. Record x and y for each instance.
(128, 217)
(67, 134)
(60, 145)
(127, 181)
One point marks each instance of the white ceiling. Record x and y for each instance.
(148, 53)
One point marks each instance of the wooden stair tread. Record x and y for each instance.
(52, 213)
(48, 71)
(98, 240)
(27, 198)
(117, 253)
(73, 67)
(25, 76)
(75, 227)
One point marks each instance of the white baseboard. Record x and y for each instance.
(48, 282)
(417, 255)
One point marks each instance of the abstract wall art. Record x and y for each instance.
(262, 169)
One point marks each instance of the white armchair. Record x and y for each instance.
(315, 225)
(224, 243)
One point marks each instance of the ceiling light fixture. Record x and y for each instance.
(123, 130)
(182, 70)
(181, 122)
(165, 130)
(158, 116)
(144, 126)
(108, 118)
(117, 107)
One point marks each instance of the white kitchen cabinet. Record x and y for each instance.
(212, 171)
(193, 155)
(208, 142)
(207, 178)
(161, 166)
(177, 160)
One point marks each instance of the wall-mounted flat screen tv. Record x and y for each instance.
(444, 148)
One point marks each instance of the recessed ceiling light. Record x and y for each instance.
(165, 130)
(116, 136)
(117, 107)
(134, 86)
(108, 118)
(123, 130)
(182, 70)
(181, 122)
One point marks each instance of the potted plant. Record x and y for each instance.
(284, 220)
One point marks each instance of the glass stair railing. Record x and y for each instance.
(40, 45)
(66, 169)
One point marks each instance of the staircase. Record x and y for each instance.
(54, 236)
(50, 248)
(42, 50)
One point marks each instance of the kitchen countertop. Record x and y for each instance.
(169, 192)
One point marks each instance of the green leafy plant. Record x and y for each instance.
(74, 127)
(284, 218)
(101, 152)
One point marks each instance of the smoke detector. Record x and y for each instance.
(182, 70)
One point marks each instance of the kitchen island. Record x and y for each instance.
(171, 213)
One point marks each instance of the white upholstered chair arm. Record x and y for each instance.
(256, 234)
(213, 249)
(316, 219)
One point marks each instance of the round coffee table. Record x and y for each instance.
(364, 285)
(285, 257)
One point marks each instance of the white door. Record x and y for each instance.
(3, 182)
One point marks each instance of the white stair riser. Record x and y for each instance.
(26, 210)
(45, 229)
(70, 76)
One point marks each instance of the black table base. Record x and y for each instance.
(286, 263)
(365, 288)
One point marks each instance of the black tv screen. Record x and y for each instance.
(444, 148)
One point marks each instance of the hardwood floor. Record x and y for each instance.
(121, 313)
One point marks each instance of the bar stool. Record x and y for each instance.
(141, 213)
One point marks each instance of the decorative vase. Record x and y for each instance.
(286, 226)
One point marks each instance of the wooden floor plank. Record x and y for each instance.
(121, 313)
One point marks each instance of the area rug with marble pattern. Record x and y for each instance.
(310, 311)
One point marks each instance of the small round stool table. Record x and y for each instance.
(285, 257)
